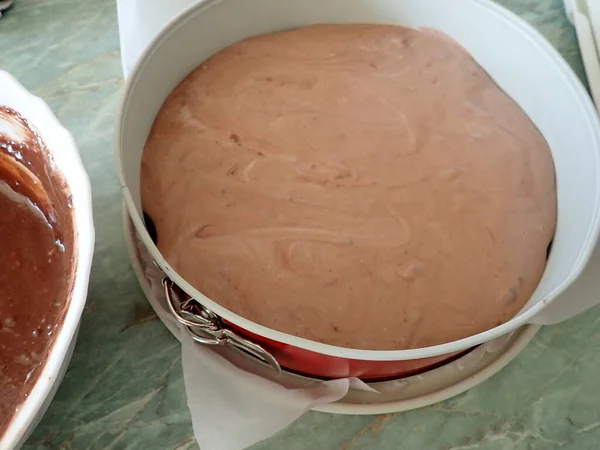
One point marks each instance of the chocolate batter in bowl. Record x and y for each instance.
(36, 268)
(43, 269)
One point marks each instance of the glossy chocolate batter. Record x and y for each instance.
(36, 259)
(363, 186)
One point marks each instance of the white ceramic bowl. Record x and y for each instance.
(521, 61)
(68, 163)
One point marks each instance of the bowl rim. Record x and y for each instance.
(524, 317)
(39, 114)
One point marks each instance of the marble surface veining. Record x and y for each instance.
(124, 388)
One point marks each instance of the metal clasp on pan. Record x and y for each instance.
(207, 328)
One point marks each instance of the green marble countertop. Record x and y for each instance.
(124, 388)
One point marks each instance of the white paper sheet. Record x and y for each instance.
(140, 21)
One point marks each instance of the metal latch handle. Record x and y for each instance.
(207, 328)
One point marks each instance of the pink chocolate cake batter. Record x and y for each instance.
(364, 186)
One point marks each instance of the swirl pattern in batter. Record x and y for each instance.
(365, 186)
